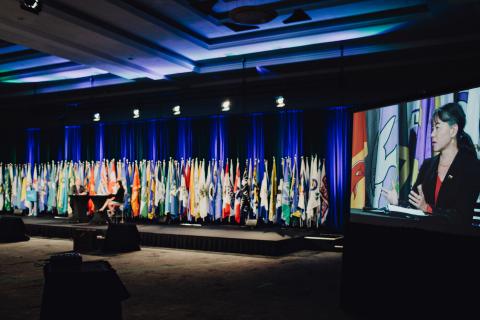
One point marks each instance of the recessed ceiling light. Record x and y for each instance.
(226, 105)
(136, 113)
(176, 110)
(280, 100)
(96, 117)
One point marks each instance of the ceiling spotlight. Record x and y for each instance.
(280, 101)
(176, 110)
(226, 105)
(34, 6)
(96, 117)
(136, 113)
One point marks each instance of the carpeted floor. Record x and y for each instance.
(185, 284)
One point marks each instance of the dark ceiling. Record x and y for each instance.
(76, 57)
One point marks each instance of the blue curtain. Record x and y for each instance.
(148, 140)
(291, 133)
(256, 142)
(73, 143)
(33, 145)
(338, 162)
(184, 138)
(99, 142)
(163, 139)
(218, 145)
(124, 142)
(152, 140)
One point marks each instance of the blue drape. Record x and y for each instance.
(99, 142)
(255, 142)
(124, 142)
(73, 143)
(184, 138)
(152, 140)
(163, 140)
(33, 145)
(291, 133)
(218, 145)
(338, 164)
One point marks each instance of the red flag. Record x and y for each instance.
(359, 153)
(226, 195)
(91, 190)
(112, 176)
(135, 192)
(236, 191)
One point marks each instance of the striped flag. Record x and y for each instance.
(423, 148)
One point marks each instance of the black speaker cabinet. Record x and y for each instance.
(122, 238)
(84, 240)
(12, 229)
(89, 290)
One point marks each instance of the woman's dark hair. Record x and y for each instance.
(120, 183)
(453, 113)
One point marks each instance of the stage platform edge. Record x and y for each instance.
(232, 239)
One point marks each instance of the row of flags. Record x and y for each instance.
(293, 192)
(390, 144)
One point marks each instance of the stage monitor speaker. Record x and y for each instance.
(99, 218)
(122, 238)
(12, 229)
(84, 240)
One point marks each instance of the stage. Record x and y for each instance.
(265, 240)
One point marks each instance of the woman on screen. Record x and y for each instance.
(448, 184)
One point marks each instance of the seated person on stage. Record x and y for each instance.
(78, 189)
(116, 200)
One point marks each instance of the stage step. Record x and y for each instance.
(324, 242)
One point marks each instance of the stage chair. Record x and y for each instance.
(119, 216)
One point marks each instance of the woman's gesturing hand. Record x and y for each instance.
(391, 195)
(418, 199)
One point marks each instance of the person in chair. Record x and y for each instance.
(116, 199)
(78, 189)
